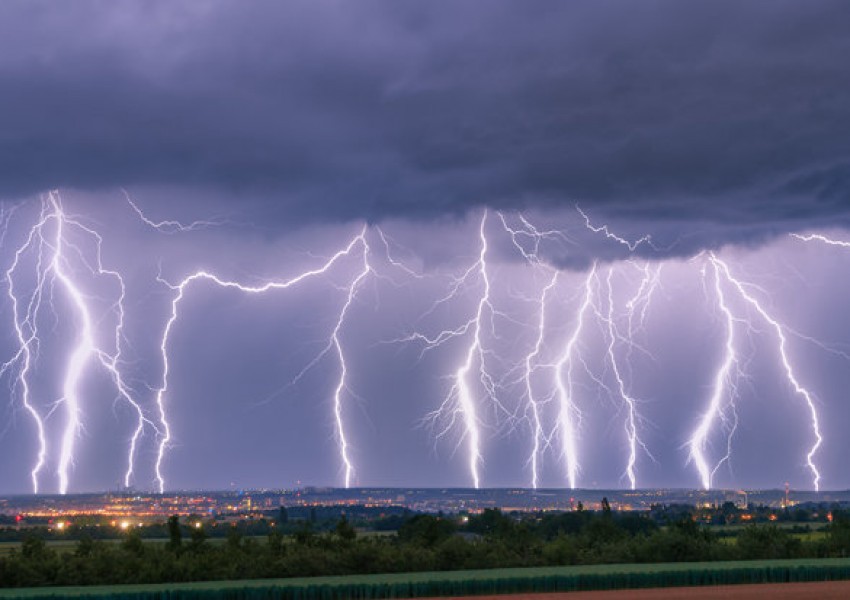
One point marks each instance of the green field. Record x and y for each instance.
(728, 534)
(810, 536)
(738, 527)
(807, 537)
(714, 572)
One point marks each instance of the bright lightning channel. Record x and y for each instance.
(343, 371)
(569, 414)
(642, 297)
(181, 288)
(786, 365)
(335, 344)
(540, 440)
(26, 330)
(632, 418)
(724, 392)
(49, 272)
(817, 237)
(459, 404)
(475, 351)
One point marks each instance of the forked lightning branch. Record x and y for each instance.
(61, 271)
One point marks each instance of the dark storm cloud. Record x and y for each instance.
(728, 117)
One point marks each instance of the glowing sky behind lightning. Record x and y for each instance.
(169, 351)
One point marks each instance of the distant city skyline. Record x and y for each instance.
(213, 504)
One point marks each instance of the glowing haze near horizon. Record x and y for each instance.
(264, 245)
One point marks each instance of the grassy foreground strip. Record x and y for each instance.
(458, 583)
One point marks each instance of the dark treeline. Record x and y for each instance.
(422, 543)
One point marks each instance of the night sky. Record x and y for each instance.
(254, 140)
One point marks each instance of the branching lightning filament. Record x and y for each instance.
(787, 368)
(334, 341)
(57, 262)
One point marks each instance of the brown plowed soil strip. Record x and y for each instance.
(827, 590)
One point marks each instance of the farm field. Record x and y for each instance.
(823, 590)
(457, 581)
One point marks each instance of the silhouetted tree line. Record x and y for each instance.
(422, 543)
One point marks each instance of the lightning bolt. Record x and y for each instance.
(60, 261)
(569, 414)
(630, 403)
(51, 271)
(787, 367)
(343, 370)
(530, 233)
(539, 440)
(816, 237)
(638, 306)
(392, 261)
(6, 214)
(459, 404)
(169, 226)
(643, 296)
(720, 398)
(631, 245)
(26, 330)
(334, 343)
(475, 351)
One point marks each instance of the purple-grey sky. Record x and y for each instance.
(711, 126)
